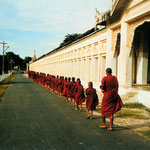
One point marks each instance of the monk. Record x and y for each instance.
(53, 83)
(65, 89)
(111, 101)
(72, 87)
(59, 85)
(91, 100)
(80, 97)
(62, 84)
(56, 83)
(69, 88)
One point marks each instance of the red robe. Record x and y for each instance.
(59, 85)
(71, 93)
(65, 89)
(62, 86)
(80, 97)
(69, 89)
(56, 84)
(111, 101)
(53, 83)
(91, 99)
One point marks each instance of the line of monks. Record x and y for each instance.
(72, 90)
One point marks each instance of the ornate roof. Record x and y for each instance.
(102, 17)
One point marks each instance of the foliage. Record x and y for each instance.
(11, 60)
(146, 133)
(5, 84)
(148, 110)
(133, 105)
(27, 59)
(130, 113)
(69, 38)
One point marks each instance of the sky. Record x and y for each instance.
(41, 25)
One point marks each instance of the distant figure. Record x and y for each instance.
(53, 83)
(72, 91)
(80, 97)
(68, 89)
(65, 90)
(111, 101)
(91, 100)
(56, 83)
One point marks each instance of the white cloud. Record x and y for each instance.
(61, 15)
(54, 17)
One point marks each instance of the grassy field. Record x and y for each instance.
(146, 133)
(5, 84)
(133, 105)
(130, 113)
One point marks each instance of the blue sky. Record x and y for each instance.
(41, 25)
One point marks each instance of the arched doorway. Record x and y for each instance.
(141, 54)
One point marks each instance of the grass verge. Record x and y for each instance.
(129, 113)
(5, 84)
(145, 133)
(148, 110)
(133, 105)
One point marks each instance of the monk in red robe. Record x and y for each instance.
(62, 84)
(69, 88)
(80, 97)
(111, 101)
(56, 83)
(59, 85)
(65, 89)
(71, 93)
(53, 83)
(91, 100)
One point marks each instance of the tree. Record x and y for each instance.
(12, 60)
(27, 59)
(69, 38)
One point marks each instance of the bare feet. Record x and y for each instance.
(110, 129)
(103, 126)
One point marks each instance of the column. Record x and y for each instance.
(96, 72)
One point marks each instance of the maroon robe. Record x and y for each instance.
(71, 93)
(111, 101)
(62, 85)
(53, 83)
(65, 89)
(69, 89)
(56, 84)
(91, 99)
(80, 97)
(59, 85)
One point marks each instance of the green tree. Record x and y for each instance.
(27, 59)
(69, 38)
(12, 60)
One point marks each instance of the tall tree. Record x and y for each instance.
(12, 60)
(69, 38)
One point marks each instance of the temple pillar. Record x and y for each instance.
(92, 68)
(122, 59)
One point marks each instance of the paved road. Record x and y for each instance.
(32, 118)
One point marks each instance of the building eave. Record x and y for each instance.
(113, 6)
(60, 48)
